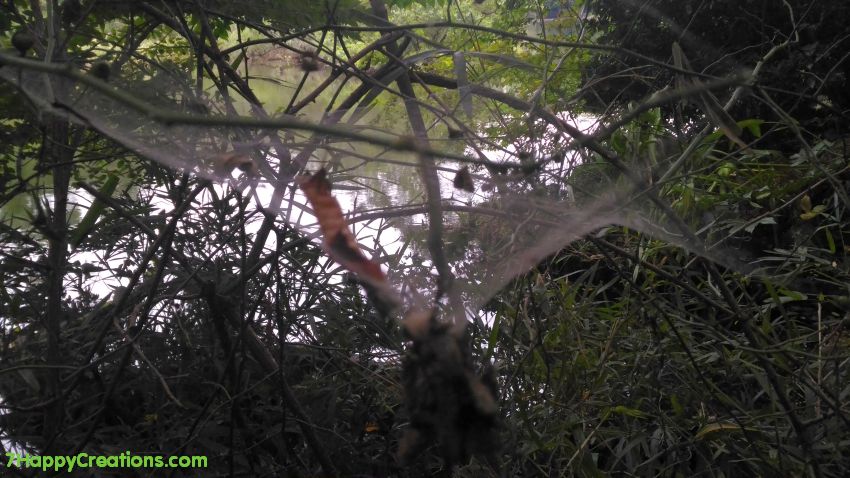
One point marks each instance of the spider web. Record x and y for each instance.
(470, 214)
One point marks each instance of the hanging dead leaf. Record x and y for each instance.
(463, 180)
(338, 241)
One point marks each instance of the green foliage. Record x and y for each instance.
(423, 3)
(629, 367)
(707, 33)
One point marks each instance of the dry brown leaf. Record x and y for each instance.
(338, 241)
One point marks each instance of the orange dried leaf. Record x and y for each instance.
(338, 240)
(372, 427)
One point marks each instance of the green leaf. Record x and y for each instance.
(93, 213)
(711, 430)
(629, 412)
(752, 125)
(678, 409)
(726, 170)
(830, 241)
(791, 296)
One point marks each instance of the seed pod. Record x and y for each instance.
(22, 40)
(455, 133)
(463, 180)
(101, 70)
(308, 62)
